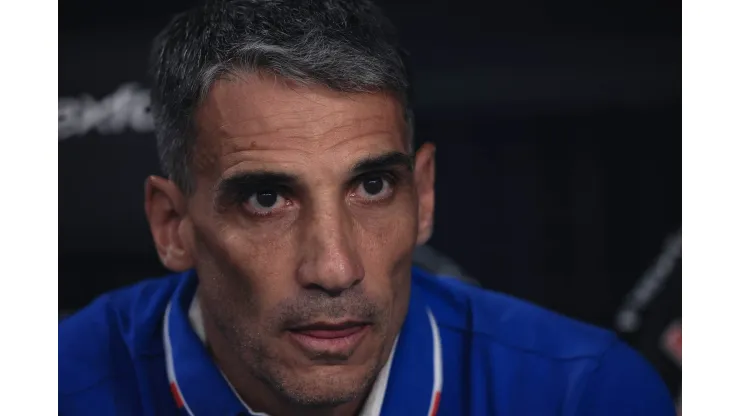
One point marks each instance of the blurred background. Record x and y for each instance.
(559, 159)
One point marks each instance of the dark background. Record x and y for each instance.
(558, 133)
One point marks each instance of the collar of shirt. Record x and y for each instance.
(409, 383)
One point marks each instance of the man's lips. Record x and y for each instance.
(329, 331)
(329, 338)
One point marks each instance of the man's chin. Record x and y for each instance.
(327, 385)
(320, 400)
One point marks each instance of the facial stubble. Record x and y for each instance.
(338, 384)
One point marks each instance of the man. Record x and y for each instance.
(290, 213)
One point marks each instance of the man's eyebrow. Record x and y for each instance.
(241, 183)
(384, 161)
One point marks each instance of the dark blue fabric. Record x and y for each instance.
(200, 382)
(501, 356)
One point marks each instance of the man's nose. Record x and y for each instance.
(330, 262)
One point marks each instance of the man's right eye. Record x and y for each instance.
(265, 202)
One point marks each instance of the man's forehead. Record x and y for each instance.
(258, 106)
(254, 118)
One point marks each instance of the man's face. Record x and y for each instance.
(301, 228)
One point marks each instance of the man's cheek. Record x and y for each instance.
(253, 250)
(388, 251)
(399, 234)
(389, 225)
(380, 246)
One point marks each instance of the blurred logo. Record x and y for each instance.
(629, 315)
(671, 341)
(126, 108)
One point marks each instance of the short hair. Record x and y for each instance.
(345, 45)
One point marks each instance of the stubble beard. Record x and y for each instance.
(265, 365)
(302, 390)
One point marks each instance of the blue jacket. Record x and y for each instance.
(462, 351)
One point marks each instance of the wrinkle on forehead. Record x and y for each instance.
(250, 114)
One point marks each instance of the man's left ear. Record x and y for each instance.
(424, 171)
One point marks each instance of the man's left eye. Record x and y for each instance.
(374, 188)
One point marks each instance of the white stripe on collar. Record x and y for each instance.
(374, 402)
(174, 386)
(437, 390)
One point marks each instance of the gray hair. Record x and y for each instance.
(345, 45)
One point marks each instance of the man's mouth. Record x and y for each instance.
(337, 339)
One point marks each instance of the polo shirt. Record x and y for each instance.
(462, 350)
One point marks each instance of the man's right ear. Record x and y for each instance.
(165, 207)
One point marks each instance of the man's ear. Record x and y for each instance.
(424, 171)
(165, 207)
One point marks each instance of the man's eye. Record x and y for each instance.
(374, 188)
(265, 202)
